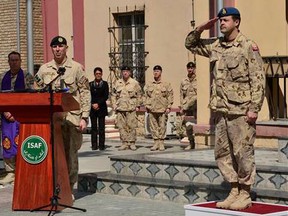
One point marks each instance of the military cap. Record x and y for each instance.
(228, 11)
(125, 68)
(191, 65)
(157, 67)
(58, 40)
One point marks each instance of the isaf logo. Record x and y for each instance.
(34, 149)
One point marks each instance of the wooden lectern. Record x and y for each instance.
(33, 186)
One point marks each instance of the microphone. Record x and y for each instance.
(61, 70)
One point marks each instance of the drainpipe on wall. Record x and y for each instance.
(18, 25)
(219, 6)
(30, 54)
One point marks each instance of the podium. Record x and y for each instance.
(33, 186)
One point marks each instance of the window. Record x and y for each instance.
(277, 73)
(127, 44)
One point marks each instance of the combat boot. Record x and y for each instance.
(189, 147)
(243, 200)
(155, 147)
(8, 179)
(124, 146)
(161, 145)
(132, 146)
(232, 197)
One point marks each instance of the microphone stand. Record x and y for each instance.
(54, 203)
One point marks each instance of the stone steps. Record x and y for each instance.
(156, 176)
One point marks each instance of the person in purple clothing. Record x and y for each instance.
(14, 79)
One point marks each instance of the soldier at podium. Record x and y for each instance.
(14, 79)
(76, 81)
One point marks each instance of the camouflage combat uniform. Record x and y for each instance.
(158, 98)
(188, 103)
(238, 87)
(78, 84)
(125, 98)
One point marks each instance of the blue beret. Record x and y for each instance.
(228, 11)
(125, 68)
(157, 67)
(58, 40)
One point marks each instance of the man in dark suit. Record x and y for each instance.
(99, 95)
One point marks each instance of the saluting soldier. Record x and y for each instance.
(126, 99)
(76, 81)
(237, 97)
(158, 102)
(188, 101)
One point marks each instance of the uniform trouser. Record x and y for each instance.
(234, 151)
(9, 164)
(98, 128)
(157, 122)
(72, 140)
(188, 126)
(127, 123)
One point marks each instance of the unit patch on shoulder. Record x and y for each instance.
(255, 48)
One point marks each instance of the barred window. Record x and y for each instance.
(277, 73)
(127, 44)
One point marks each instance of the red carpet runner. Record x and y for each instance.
(256, 208)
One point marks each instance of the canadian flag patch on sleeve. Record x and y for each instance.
(255, 47)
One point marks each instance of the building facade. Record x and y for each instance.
(143, 33)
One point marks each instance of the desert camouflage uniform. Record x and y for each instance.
(158, 98)
(188, 102)
(78, 84)
(238, 86)
(125, 98)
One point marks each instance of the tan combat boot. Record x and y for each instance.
(243, 200)
(189, 147)
(8, 179)
(232, 197)
(132, 146)
(161, 145)
(155, 147)
(124, 146)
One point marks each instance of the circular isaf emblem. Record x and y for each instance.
(34, 149)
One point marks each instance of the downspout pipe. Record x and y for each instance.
(220, 5)
(18, 25)
(30, 54)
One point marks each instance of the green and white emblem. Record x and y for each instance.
(34, 149)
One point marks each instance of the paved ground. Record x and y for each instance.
(112, 205)
(102, 204)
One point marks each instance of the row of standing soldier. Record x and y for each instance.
(126, 98)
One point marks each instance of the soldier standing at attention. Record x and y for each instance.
(76, 81)
(188, 101)
(237, 97)
(126, 100)
(158, 101)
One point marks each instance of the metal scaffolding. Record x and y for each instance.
(127, 44)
